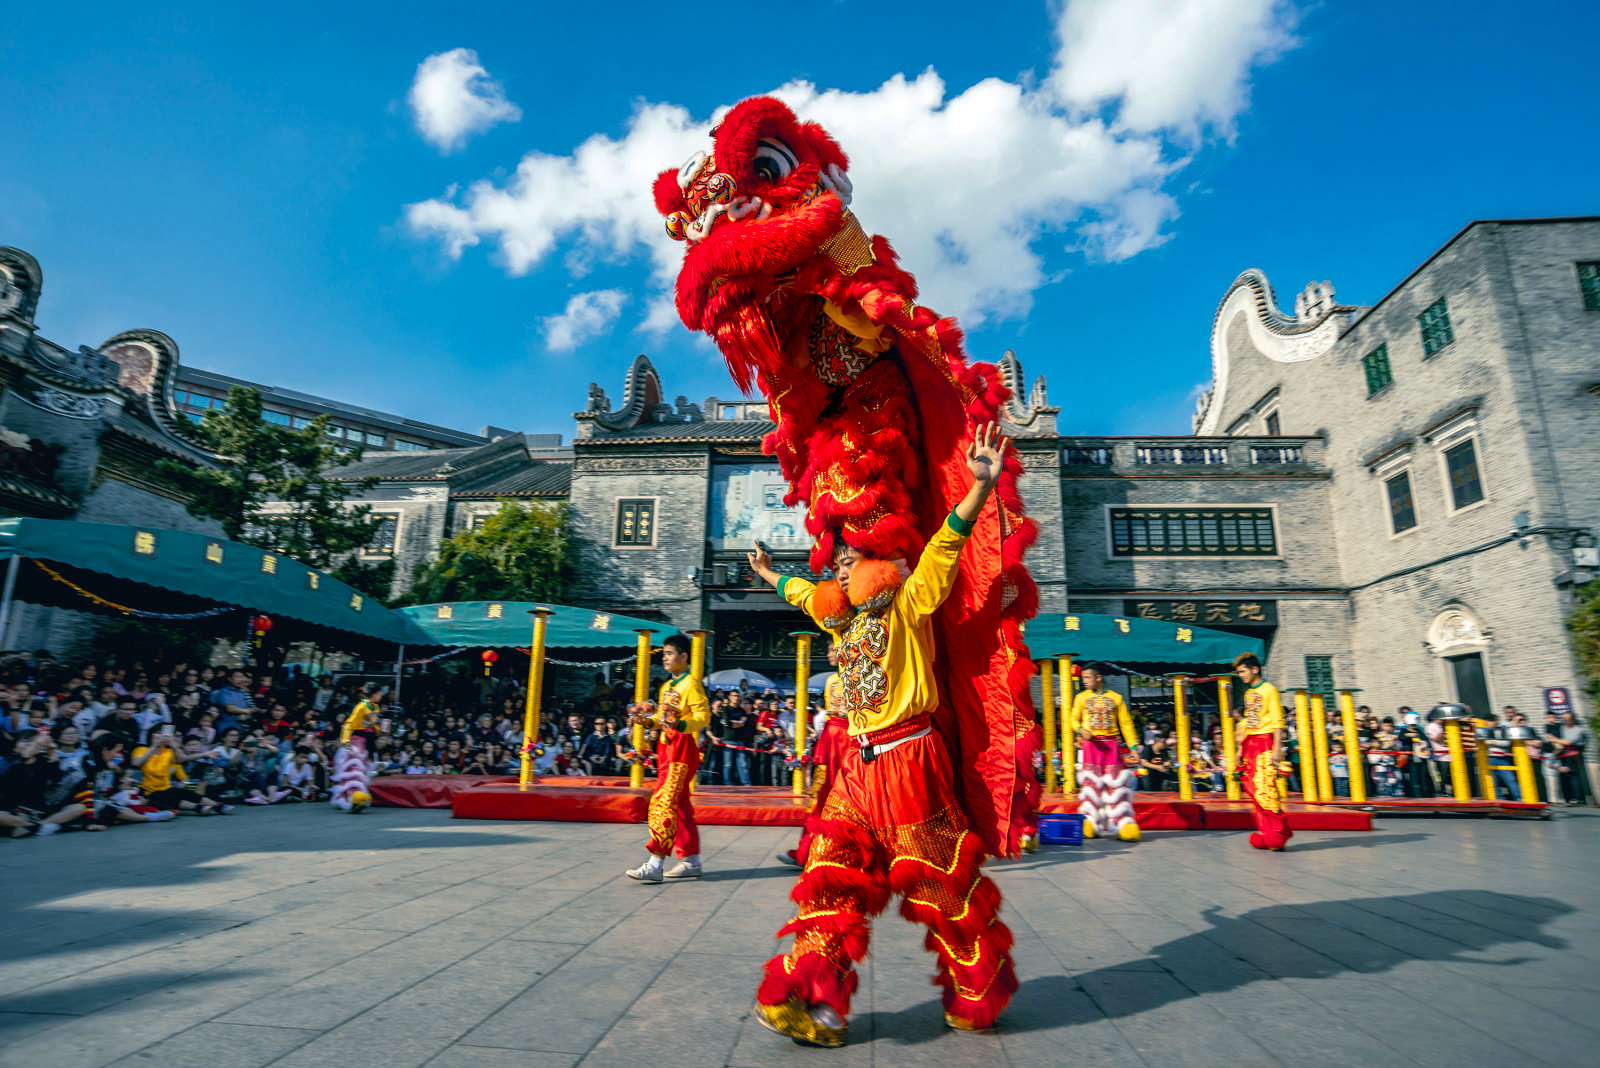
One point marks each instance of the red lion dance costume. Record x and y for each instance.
(875, 406)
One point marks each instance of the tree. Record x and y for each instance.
(1584, 623)
(520, 553)
(260, 463)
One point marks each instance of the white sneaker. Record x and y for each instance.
(684, 870)
(644, 873)
(48, 828)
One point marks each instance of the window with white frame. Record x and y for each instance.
(1402, 504)
(1461, 468)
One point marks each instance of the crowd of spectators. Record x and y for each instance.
(93, 746)
(1399, 756)
(749, 742)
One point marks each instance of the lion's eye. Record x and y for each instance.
(773, 161)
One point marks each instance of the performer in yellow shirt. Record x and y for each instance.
(891, 823)
(352, 774)
(680, 715)
(1260, 754)
(1105, 789)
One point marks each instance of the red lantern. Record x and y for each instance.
(1077, 671)
(261, 624)
(489, 657)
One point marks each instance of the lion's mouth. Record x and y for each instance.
(712, 197)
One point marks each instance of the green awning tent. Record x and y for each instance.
(104, 567)
(508, 625)
(1148, 646)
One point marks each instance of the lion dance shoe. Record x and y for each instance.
(684, 870)
(792, 1018)
(957, 1023)
(1128, 832)
(1030, 844)
(644, 873)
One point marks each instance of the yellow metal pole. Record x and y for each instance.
(530, 711)
(1181, 715)
(1224, 705)
(697, 655)
(1307, 752)
(1525, 781)
(1319, 732)
(1480, 755)
(802, 679)
(1047, 677)
(1460, 784)
(697, 669)
(1352, 747)
(1068, 736)
(641, 694)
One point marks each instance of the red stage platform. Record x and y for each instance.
(611, 800)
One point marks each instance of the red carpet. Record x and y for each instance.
(611, 800)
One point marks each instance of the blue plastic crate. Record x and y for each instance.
(1061, 828)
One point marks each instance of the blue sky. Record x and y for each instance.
(239, 177)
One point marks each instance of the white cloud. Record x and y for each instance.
(1177, 65)
(586, 316)
(972, 189)
(453, 97)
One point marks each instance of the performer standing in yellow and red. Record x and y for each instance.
(832, 738)
(892, 822)
(1105, 789)
(680, 715)
(1260, 754)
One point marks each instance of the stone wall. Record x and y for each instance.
(629, 579)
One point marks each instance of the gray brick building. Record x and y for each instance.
(1456, 418)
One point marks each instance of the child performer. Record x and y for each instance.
(1260, 754)
(832, 737)
(352, 776)
(683, 712)
(892, 822)
(1105, 790)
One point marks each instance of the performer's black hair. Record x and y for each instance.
(679, 642)
(1247, 660)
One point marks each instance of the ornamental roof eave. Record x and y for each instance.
(1311, 332)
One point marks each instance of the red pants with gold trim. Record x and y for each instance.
(893, 827)
(830, 747)
(1259, 777)
(671, 815)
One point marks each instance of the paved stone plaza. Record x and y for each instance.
(300, 937)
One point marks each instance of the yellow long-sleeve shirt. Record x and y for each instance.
(833, 694)
(357, 720)
(1263, 709)
(683, 699)
(886, 657)
(1102, 715)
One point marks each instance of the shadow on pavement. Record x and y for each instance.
(1276, 942)
(1364, 841)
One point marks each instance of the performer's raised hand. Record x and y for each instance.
(984, 456)
(761, 564)
(985, 453)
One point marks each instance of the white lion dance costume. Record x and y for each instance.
(351, 771)
(1105, 786)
